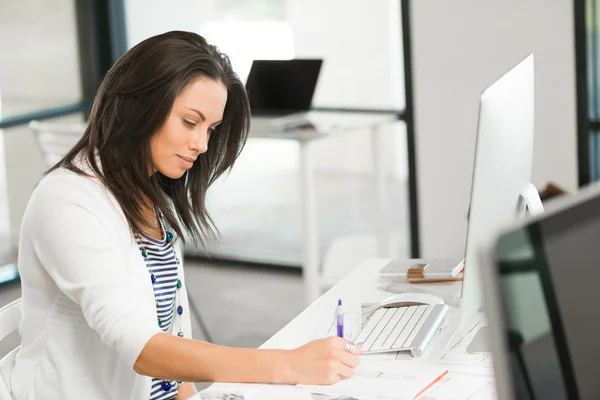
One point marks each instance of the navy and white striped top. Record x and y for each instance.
(161, 262)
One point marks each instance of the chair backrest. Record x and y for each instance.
(10, 317)
(55, 140)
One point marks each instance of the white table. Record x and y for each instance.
(363, 285)
(332, 124)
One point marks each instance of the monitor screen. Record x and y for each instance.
(549, 279)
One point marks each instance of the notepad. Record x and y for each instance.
(388, 379)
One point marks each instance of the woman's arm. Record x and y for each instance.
(320, 362)
(71, 228)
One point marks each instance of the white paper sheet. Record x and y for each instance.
(461, 388)
(453, 350)
(278, 393)
(328, 326)
(386, 379)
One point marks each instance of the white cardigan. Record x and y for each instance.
(87, 300)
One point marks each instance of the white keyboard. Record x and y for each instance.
(402, 328)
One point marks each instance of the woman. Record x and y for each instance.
(105, 312)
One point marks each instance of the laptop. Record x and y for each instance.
(540, 283)
(281, 92)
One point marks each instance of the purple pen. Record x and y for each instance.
(339, 316)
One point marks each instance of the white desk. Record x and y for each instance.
(331, 124)
(469, 374)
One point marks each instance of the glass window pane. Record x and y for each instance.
(39, 67)
(594, 152)
(258, 206)
(361, 42)
(23, 165)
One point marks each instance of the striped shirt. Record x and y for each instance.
(161, 262)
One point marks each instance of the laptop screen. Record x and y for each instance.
(279, 87)
(549, 279)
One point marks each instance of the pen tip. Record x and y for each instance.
(339, 302)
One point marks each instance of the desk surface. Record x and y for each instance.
(469, 374)
(327, 123)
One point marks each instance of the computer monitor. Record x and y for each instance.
(282, 87)
(501, 188)
(541, 297)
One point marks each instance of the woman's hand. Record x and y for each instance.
(322, 362)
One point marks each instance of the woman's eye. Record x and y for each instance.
(189, 123)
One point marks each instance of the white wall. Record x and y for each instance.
(145, 18)
(361, 46)
(459, 48)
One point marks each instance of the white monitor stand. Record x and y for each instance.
(529, 204)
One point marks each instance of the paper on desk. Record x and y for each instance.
(453, 387)
(278, 393)
(328, 326)
(366, 310)
(389, 379)
(453, 349)
(218, 395)
(230, 391)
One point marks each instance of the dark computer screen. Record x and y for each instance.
(282, 86)
(549, 282)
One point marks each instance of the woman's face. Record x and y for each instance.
(196, 112)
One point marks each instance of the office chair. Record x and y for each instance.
(10, 318)
(54, 141)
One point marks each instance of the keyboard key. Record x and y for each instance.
(368, 328)
(399, 343)
(418, 326)
(389, 312)
(400, 326)
(385, 334)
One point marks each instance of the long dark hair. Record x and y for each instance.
(133, 101)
